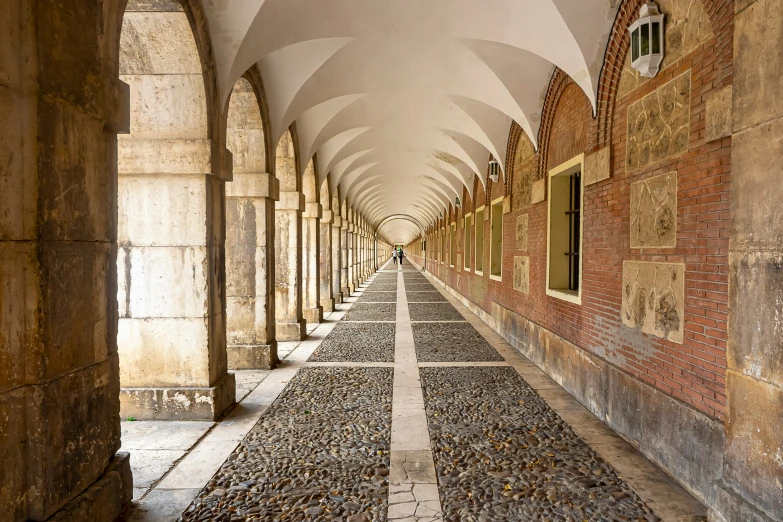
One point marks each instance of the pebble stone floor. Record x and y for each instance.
(346, 441)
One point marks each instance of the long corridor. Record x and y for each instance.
(406, 411)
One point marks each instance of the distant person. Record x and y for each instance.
(400, 254)
(394, 256)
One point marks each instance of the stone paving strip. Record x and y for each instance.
(502, 453)
(371, 296)
(451, 342)
(321, 452)
(371, 312)
(425, 297)
(434, 312)
(413, 488)
(361, 342)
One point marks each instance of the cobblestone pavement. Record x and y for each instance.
(377, 297)
(372, 312)
(502, 454)
(437, 437)
(359, 342)
(320, 452)
(451, 342)
(434, 312)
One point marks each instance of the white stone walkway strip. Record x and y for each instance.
(461, 364)
(174, 493)
(413, 484)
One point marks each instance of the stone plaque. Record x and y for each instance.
(598, 166)
(659, 123)
(522, 274)
(538, 191)
(654, 298)
(525, 163)
(717, 115)
(654, 212)
(522, 232)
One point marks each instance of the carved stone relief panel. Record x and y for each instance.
(522, 232)
(522, 274)
(654, 298)
(654, 212)
(524, 172)
(659, 123)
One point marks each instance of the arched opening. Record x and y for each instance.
(311, 241)
(250, 206)
(171, 334)
(289, 321)
(325, 261)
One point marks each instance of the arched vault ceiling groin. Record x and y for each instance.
(404, 102)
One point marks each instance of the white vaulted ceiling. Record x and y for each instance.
(403, 101)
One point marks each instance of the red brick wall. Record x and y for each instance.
(693, 371)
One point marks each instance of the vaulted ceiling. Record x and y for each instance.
(403, 101)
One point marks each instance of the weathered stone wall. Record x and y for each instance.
(61, 107)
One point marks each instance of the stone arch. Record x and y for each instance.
(289, 320)
(250, 202)
(311, 245)
(171, 338)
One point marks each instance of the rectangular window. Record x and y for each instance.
(496, 238)
(564, 252)
(466, 243)
(442, 245)
(478, 248)
(453, 245)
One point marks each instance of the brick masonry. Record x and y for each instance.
(694, 371)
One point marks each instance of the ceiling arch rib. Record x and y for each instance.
(379, 89)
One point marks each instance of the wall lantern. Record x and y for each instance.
(647, 40)
(457, 202)
(494, 170)
(440, 214)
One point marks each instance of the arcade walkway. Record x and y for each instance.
(412, 409)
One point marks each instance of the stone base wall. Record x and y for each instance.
(685, 443)
(252, 357)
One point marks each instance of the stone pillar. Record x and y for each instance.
(752, 488)
(337, 261)
(352, 258)
(171, 234)
(347, 271)
(59, 373)
(250, 271)
(325, 261)
(357, 280)
(289, 321)
(311, 252)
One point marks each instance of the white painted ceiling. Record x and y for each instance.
(403, 101)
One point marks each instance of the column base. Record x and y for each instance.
(338, 298)
(253, 356)
(105, 499)
(291, 331)
(346, 292)
(327, 305)
(186, 403)
(313, 315)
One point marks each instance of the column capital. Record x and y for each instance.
(337, 221)
(326, 216)
(253, 185)
(290, 201)
(312, 210)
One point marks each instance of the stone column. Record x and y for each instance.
(250, 271)
(752, 488)
(59, 373)
(356, 253)
(337, 262)
(311, 252)
(345, 258)
(325, 261)
(289, 321)
(352, 258)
